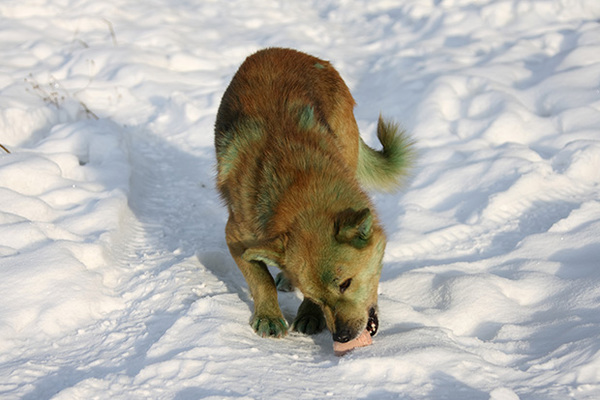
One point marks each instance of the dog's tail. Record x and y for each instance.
(386, 169)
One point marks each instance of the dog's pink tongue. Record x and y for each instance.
(339, 349)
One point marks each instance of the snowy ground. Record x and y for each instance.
(115, 281)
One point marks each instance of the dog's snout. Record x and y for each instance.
(342, 335)
(343, 331)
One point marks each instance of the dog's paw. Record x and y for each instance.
(283, 283)
(309, 324)
(310, 318)
(269, 326)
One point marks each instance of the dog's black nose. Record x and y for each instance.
(342, 336)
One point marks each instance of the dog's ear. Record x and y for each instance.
(354, 227)
(269, 252)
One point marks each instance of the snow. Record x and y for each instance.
(115, 278)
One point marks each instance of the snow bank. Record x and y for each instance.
(60, 198)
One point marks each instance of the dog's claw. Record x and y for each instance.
(270, 327)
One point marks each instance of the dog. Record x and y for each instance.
(292, 168)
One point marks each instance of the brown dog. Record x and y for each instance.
(290, 168)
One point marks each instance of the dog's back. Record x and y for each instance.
(277, 86)
(278, 92)
(285, 117)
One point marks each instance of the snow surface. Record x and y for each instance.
(115, 280)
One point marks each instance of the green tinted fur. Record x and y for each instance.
(307, 118)
(311, 156)
(386, 169)
(381, 170)
(243, 137)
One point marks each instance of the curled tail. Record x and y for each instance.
(386, 169)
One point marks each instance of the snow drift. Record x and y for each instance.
(115, 278)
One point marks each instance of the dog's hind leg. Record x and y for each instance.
(283, 283)
(310, 318)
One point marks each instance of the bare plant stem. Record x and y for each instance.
(112, 31)
(57, 95)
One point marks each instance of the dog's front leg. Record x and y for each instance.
(267, 320)
(310, 319)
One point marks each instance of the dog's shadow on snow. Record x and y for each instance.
(174, 198)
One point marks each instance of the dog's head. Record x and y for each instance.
(335, 260)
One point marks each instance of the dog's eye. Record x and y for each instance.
(345, 285)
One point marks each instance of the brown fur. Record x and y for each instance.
(288, 149)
